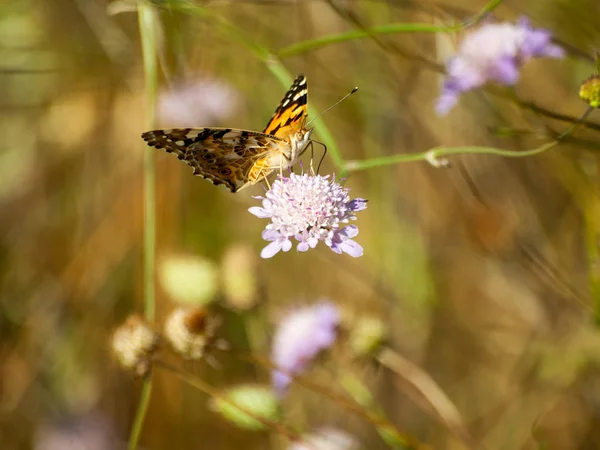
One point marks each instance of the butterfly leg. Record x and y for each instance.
(312, 157)
(262, 169)
(268, 184)
(281, 165)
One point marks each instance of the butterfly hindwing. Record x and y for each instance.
(221, 155)
(290, 115)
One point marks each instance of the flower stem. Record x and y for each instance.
(442, 152)
(146, 18)
(391, 28)
(391, 434)
(202, 386)
(438, 154)
(435, 398)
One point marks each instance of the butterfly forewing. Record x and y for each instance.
(290, 115)
(240, 158)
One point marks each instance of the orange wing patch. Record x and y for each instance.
(290, 115)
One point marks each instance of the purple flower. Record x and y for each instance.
(193, 103)
(309, 208)
(494, 52)
(326, 439)
(300, 336)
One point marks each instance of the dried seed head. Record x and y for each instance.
(190, 331)
(134, 343)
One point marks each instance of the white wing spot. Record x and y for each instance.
(300, 94)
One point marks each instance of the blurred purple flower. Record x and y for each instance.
(309, 208)
(196, 103)
(326, 439)
(300, 336)
(493, 52)
(89, 431)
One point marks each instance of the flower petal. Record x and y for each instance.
(505, 71)
(259, 212)
(358, 204)
(352, 248)
(300, 336)
(349, 232)
(446, 102)
(286, 245)
(271, 250)
(280, 381)
(271, 235)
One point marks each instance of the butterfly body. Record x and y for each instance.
(240, 158)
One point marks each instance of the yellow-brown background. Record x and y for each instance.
(480, 271)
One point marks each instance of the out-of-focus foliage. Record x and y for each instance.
(484, 274)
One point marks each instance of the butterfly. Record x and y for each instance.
(241, 158)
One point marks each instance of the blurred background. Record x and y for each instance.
(485, 274)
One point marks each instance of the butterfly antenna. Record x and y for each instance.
(334, 105)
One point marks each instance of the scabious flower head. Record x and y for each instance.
(493, 52)
(300, 336)
(309, 208)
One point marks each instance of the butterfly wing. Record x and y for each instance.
(290, 115)
(222, 155)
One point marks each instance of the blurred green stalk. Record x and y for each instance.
(390, 28)
(146, 17)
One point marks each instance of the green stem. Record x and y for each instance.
(441, 152)
(202, 386)
(392, 28)
(138, 423)
(382, 424)
(147, 23)
(484, 12)
(362, 396)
